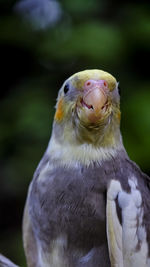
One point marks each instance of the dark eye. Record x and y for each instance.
(119, 90)
(66, 88)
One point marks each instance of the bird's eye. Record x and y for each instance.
(119, 90)
(66, 88)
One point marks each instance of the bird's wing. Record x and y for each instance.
(29, 240)
(126, 233)
(114, 229)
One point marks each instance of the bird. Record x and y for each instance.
(88, 204)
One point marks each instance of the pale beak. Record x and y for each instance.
(95, 96)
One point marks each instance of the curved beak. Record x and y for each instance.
(95, 97)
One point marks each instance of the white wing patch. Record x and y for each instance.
(114, 229)
(127, 242)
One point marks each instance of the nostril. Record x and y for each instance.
(105, 84)
(88, 84)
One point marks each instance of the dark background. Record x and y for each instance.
(43, 42)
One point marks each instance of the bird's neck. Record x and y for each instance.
(65, 148)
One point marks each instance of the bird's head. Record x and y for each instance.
(88, 109)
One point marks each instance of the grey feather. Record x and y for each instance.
(72, 202)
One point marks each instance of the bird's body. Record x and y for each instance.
(88, 203)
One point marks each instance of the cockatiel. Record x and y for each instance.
(88, 204)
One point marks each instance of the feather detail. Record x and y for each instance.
(114, 229)
(127, 242)
(70, 155)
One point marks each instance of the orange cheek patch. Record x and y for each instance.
(119, 116)
(59, 112)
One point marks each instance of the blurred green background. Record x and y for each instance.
(42, 42)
